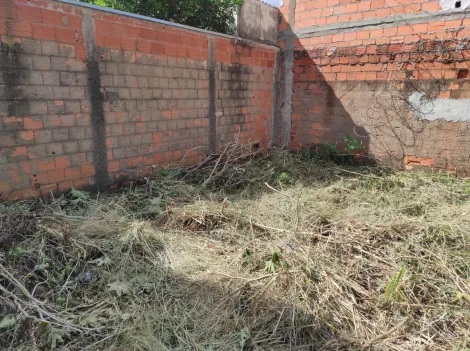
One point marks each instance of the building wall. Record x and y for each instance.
(89, 97)
(258, 21)
(392, 74)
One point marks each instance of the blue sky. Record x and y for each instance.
(272, 2)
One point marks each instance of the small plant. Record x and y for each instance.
(13, 208)
(18, 252)
(352, 144)
(392, 287)
(56, 337)
(284, 178)
(7, 322)
(79, 198)
(275, 262)
(245, 337)
(466, 188)
(247, 255)
(462, 346)
(330, 153)
(320, 152)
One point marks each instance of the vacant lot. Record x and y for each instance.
(277, 252)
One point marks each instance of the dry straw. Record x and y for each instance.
(244, 252)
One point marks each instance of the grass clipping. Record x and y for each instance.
(269, 253)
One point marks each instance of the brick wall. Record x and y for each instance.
(393, 74)
(322, 12)
(89, 97)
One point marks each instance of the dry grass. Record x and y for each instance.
(273, 253)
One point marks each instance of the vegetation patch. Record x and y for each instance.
(265, 251)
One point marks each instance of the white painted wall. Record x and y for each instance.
(449, 5)
(451, 110)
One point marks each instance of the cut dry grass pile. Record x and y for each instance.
(272, 253)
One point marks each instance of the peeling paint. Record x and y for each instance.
(451, 110)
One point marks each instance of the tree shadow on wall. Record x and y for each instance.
(318, 115)
(391, 98)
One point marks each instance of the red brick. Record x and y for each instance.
(45, 165)
(376, 33)
(5, 187)
(144, 46)
(102, 27)
(420, 28)
(3, 26)
(21, 29)
(52, 18)
(418, 161)
(351, 8)
(87, 170)
(18, 151)
(338, 37)
(390, 32)
(30, 194)
(112, 42)
(453, 24)
(382, 75)
(377, 4)
(385, 12)
(412, 38)
(371, 49)
(27, 135)
(114, 165)
(29, 13)
(62, 162)
(73, 173)
(65, 186)
(56, 176)
(414, 8)
(7, 10)
(65, 35)
(39, 178)
(80, 52)
(135, 32)
(41, 31)
(171, 50)
(29, 123)
(46, 190)
(148, 34)
(75, 22)
(129, 44)
(80, 183)
(350, 36)
(112, 18)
